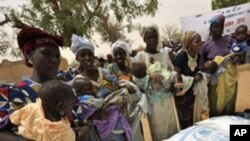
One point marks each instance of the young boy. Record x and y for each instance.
(240, 46)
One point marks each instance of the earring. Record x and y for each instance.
(30, 61)
(61, 113)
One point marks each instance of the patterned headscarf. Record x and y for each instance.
(123, 45)
(30, 38)
(153, 26)
(78, 43)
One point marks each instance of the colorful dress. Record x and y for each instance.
(114, 69)
(15, 96)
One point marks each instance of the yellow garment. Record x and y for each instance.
(227, 83)
(34, 126)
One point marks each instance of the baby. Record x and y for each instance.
(85, 92)
(47, 119)
(105, 113)
(142, 75)
(167, 81)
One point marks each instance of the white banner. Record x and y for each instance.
(235, 16)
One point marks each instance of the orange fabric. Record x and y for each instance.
(33, 125)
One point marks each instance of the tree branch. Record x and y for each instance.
(92, 14)
(6, 20)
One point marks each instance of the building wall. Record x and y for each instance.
(17, 70)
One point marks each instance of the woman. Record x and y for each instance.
(104, 83)
(187, 63)
(121, 55)
(41, 52)
(121, 67)
(163, 120)
(217, 45)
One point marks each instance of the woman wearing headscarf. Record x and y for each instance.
(121, 66)
(163, 119)
(41, 53)
(187, 63)
(218, 45)
(110, 126)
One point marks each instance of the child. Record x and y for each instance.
(223, 84)
(104, 113)
(46, 120)
(240, 46)
(166, 78)
(163, 121)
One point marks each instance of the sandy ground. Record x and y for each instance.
(243, 99)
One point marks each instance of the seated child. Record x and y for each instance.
(239, 46)
(104, 113)
(47, 119)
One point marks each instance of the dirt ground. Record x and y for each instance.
(243, 99)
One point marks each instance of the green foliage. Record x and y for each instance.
(217, 4)
(109, 18)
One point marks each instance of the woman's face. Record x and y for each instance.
(196, 44)
(151, 38)
(217, 30)
(46, 60)
(119, 56)
(86, 58)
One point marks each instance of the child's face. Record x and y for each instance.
(207, 65)
(210, 66)
(83, 87)
(241, 34)
(139, 69)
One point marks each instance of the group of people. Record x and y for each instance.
(105, 102)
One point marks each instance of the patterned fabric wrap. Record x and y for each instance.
(15, 96)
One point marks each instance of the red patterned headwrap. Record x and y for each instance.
(31, 38)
